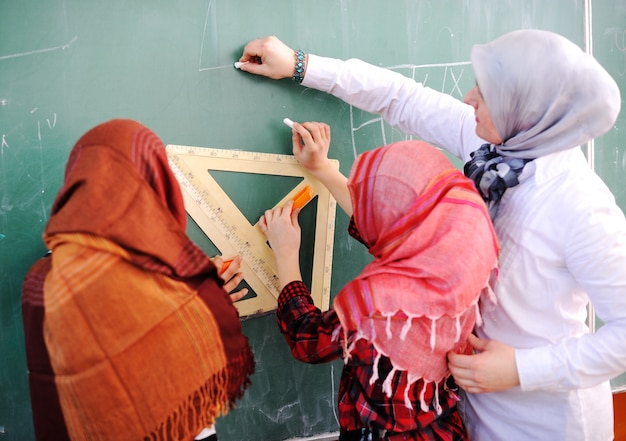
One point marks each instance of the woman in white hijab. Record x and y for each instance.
(538, 373)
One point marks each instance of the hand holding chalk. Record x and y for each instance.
(288, 122)
(238, 64)
(225, 266)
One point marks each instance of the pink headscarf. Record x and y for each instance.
(434, 250)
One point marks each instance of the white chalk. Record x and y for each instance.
(238, 64)
(288, 122)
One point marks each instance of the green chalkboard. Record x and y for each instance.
(67, 65)
(609, 47)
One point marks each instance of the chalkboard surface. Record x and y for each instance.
(67, 65)
(609, 47)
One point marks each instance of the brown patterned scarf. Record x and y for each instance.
(144, 342)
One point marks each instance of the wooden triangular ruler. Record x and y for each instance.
(229, 230)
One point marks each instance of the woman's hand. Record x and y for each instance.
(492, 368)
(281, 227)
(229, 272)
(268, 57)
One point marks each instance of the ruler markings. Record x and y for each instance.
(230, 231)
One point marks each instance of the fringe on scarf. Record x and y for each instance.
(487, 293)
(212, 400)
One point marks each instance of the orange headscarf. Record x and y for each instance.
(144, 342)
(434, 250)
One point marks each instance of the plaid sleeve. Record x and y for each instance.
(311, 334)
(354, 231)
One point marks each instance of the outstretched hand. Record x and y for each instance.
(268, 57)
(492, 368)
(232, 277)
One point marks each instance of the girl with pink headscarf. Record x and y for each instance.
(433, 249)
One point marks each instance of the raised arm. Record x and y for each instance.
(311, 142)
(433, 116)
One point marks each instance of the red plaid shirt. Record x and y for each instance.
(315, 337)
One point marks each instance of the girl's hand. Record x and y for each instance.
(311, 143)
(281, 227)
(229, 272)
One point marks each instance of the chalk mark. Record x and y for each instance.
(622, 48)
(206, 21)
(332, 385)
(425, 77)
(4, 143)
(456, 82)
(52, 124)
(41, 171)
(40, 51)
(204, 31)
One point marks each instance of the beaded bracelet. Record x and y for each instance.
(298, 72)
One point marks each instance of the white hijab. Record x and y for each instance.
(543, 92)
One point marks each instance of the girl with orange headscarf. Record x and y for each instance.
(142, 339)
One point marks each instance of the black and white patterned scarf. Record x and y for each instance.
(492, 174)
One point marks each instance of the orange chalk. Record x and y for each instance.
(303, 197)
(225, 265)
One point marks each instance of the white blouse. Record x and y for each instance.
(563, 244)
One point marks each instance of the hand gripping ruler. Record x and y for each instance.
(229, 230)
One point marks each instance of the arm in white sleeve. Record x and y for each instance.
(596, 257)
(432, 116)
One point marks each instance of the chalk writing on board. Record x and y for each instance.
(210, 17)
(40, 51)
(445, 77)
(620, 44)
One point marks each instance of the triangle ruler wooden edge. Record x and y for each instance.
(229, 230)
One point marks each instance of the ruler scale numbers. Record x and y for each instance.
(229, 230)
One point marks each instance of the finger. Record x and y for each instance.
(326, 132)
(288, 208)
(469, 387)
(218, 261)
(238, 295)
(233, 282)
(477, 343)
(263, 224)
(294, 216)
(304, 130)
(458, 361)
(311, 126)
(269, 215)
(230, 268)
(463, 377)
(297, 143)
(315, 131)
(475, 389)
(451, 356)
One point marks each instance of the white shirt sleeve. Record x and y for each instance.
(595, 250)
(435, 117)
